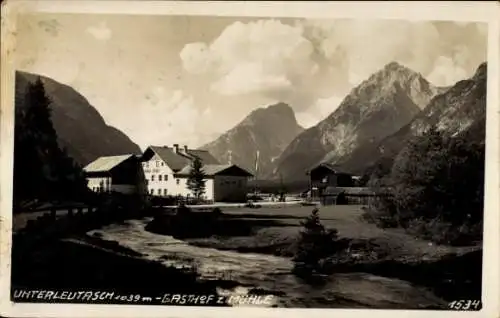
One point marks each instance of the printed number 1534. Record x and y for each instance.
(465, 304)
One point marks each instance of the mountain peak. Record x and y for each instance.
(394, 66)
(266, 130)
(280, 110)
(481, 71)
(397, 68)
(279, 105)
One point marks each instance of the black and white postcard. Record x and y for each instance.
(240, 158)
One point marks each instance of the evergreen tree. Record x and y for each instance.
(439, 178)
(41, 169)
(196, 179)
(315, 242)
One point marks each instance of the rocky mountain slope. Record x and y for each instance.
(459, 110)
(258, 140)
(380, 106)
(79, 126)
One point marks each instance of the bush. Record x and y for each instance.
(252, 205)
(315, 243)
(217, 211)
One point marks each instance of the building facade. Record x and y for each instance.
(325, 176)
(121, 174)
(166, 171)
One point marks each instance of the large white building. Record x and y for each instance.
(166, 171)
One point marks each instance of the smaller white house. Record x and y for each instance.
(114, 174)
(166, 171)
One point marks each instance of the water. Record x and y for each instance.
(347, 290)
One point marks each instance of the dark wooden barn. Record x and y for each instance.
(326, 175)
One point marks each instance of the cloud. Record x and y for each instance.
(446, 72)
(366, 46)
(264, 57)
(100, 32)
(174, 118)
(250, 78)
(319, 111)
(302, 61)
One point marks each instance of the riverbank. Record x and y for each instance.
(90, 263)
(451, 272)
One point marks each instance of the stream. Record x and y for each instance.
(272, 273)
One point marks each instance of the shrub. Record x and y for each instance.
(315, 243)
(217, 211)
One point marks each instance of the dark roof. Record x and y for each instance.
(205, 156)
(212, 170)
(168, 155)
(332, 167)
(177, 161)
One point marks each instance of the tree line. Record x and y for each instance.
(437, 185)
(43, 170)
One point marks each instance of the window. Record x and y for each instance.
(162, 163)
(157, 163)
(165, 177)
(177, 181)
(165, 192)
(152, 177)
(152, 191)
(147, 181)
(146, 164)
(159, 177)
(159, 191)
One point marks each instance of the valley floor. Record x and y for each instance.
(345, 218)
(387, 252)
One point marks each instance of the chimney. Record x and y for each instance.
(176, 148)
(185, 148)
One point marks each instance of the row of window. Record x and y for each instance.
(98, 189)
(165, 178)
(160, 177)
(157, 164)
(158, 192)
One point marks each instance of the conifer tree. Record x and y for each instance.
(196, 179)
(41, 169)
(315, 241)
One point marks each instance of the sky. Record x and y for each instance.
(187, 79)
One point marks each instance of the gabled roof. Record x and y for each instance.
(329, 166)
(177, 161)
(212, 170)
(168, 155)
(205, 156)
(104, 164)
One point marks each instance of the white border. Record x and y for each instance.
(485, 11)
